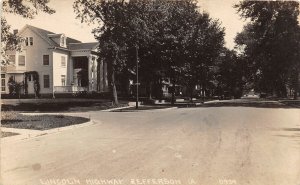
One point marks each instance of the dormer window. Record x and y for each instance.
(63, 41)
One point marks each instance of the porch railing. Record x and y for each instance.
(69, 89)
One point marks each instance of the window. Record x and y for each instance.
(3, 82)
(63, 61)
(45, 60)
(63, 80)
(46, 81)
(29, 41)
(12, 59)
(21, 60)
(26, 41)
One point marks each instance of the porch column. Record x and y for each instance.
(101, 79)
(70, 77)
(90, 72)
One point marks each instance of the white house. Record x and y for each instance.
(62, 64)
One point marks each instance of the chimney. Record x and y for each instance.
(16, 32)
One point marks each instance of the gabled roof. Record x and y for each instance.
(83, 46)
(45, 35)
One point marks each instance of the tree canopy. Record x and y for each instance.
(270, 43)
(169, 38)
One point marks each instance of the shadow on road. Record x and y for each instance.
(251, 103)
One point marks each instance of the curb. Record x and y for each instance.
(118, 108)
(159, 110)
(152, 110)
(30, 134)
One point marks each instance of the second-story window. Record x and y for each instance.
(63, 61)
(29, 41)
(21, 60)
(45, 60)
(12, 59)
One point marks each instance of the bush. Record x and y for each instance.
(14, 87)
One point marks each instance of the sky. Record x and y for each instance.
(64, 21)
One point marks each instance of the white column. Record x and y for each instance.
(90, 72)
(71, 71)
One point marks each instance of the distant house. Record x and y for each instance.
(62, 64)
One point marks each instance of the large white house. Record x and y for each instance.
(61, 64)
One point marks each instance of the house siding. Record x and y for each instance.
(59, 70)
(34, 58)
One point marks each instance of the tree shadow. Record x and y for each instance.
(249, 104)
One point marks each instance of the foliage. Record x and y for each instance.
(270, 43)
(169, 38)
(14, 87)
(231, 74)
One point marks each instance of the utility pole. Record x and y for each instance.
(137, 77)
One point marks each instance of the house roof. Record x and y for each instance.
(46, 35)
(83, 46)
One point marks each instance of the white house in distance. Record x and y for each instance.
(63, 64)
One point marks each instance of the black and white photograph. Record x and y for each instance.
(150, 92)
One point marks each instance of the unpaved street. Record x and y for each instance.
(209, 146)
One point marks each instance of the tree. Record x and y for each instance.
(27, 9)
(157, 33)
(124, 32)
(270, 43)
(203, 45)
(231, 74)
(122, 29)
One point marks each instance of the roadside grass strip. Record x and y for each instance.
(11, 119)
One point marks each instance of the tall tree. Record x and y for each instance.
(231, 74)
(157, 33)
(122, 29)
(270, 42)
(26, 9)
(203, 46)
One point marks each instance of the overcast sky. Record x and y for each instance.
(63, 21)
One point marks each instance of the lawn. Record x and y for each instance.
(57, 105)
(11, 119)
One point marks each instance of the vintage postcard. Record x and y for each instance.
(150, 92)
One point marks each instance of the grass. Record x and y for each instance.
(257, 103)
(7, 134)
(11, 119)
(57, 105)
(292, 103)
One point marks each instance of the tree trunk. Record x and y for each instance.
(112, 82)
(203, 92)
(150, 90)
(191, 93)
(173, 93)
(114, 89)
(296, 85)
